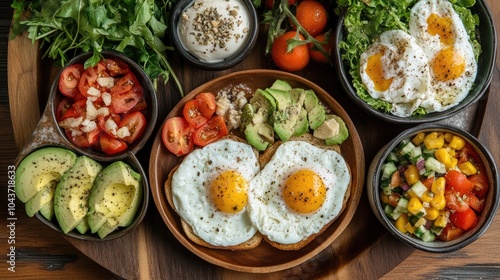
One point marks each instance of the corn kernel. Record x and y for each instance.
(401, 223)
(415, 206)
(433, 141)
(448, 136)
(411, 174)
(442, 219)
(420, 222)
(438, 201)
(432, 213)
(412, 194)
(443, 156)
(438, 186)
(427, 196)
(467, 168)
(457, 143)
(410, 228)
(452, 165)
(418, 139)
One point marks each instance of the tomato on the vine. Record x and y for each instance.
(312, 15)
(316, 54)
(295, 60)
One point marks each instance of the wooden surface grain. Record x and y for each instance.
(365, 251)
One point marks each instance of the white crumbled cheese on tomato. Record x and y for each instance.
(103, 112)
(223, 104)
(106, 98)
(111, 126)
(88, 125)
(91, 110)
(92, 91)
(75, 132)
(107, 82)
(71, 122)
(123, 132)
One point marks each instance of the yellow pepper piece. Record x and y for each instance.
(383, 197)
(448, 136)
(443, 156)
(432, 213)
(457, 143)
(401, 223)
(412, 194)
(442, 219)
(415, 206)
(427, 196)
(418, 139)
(452, 165)
(420, 222)
(410, 228)
(438, 186)
(434, 140)
(467, 168)
(411, 174)
(438, 202)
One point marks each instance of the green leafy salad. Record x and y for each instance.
(365, 20)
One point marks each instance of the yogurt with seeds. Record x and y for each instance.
(214, 30)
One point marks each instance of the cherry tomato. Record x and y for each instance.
(69, 79)
(312, 15)
(110, 145)
(295, 60)
(76, 110)
(116, 67)
(480, 184)
(62, 107)
(83, 140)
(315, 54)
(474, 202)
(210, 132)
(123, 103)
(125, 84)
(89, 78)
(428, 182)
(136, 124)
(140, 106)
(177, 136)
(207, 104)
(270, 3)
(101, 123)
(455, 202)
(450, 232)
(394, 199)
(464, 220)
(192, 114)
(457, 181)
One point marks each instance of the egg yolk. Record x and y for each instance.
(228, 192)
(376, 73)
(448, 64)
(438, 25)
(304, 191)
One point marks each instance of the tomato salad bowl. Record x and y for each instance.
(434, 187)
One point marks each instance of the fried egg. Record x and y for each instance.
(440, 32)
(395, 69)
(209, 192)
(299, 191)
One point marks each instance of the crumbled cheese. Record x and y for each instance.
(223, 104)
(230, 103)
(75, 132)
(123, 132)
(91, 110)
(107, 82)
(92, 91)
(88, 125)
(71, 122)
(111, 126)
(106, 98)
(103, 112)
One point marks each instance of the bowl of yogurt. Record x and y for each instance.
(214, 35)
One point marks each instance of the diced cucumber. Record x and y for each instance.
(428, 236)
(386, 188)
(392, 157)
(436, 230)
(395, 215)
(388, 209)
(407, 149)
(418, 188)
(402, 205)
(420, 222)
(428, 152)
(402, 144)
(434, 165)
(420, 231)
(416, 152)
(388, 169)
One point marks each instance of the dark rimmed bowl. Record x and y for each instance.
(486, 63)
(229, 62)
(484, 219)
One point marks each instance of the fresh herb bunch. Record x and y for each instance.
(67, 27)
(279, 19)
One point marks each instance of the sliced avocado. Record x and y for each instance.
(259, 135)
(72, 192)
(302, 124)
(311, 100)
(41, 198)
(283, 99)
(262, 100)
(39, 168)
(316, 116)
(284, 125)
(298, 95)
(343, 132)
(48, 210)
(83, 226)
(281, 85)
(115, 195)
(247, 114)
(328, 129)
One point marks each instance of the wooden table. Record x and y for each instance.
(42, 253)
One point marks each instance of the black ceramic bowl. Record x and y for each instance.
(486, 62)
(484, 218)
(251, 38)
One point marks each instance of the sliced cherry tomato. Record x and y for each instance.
(69, 79)
(474, 202)
(110, 145)
(396, 180)
(122, 103)
(177, 136)
(481, 184)
(89, 78)
(140, 106)
(83, 140)
(76, 110)
(62, 107)
(101, 123)
(192, 114)
(207, 104)
(136, 124)
(457, 181)
(428, 182)
(464, 220)
(212, 131)
(467, 153)
(455, 202)
(125, 84)
(450, 232)
(116, 67)
(394, 199)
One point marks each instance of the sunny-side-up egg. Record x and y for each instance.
(395, 69)
(209, 192)
(440, 32)
(299, 191)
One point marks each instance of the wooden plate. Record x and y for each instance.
(263, 258)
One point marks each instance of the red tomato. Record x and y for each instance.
(110, 145)
(396, 180)
(210, 132)
(457, 181)
(428, 182)
(480, 184)
(85, 140)
(312, 15)
(116, 67)
(136, 124)
(464, 220)
(474, 202)
(62, 107)
(177, 136)
(467, 153)
(101, 123)
(125, 84)
(295, 60)
(394, 199)
(450, 232)
(140, 106)
(207, 104)
(455, 202)
(89, 78)
(122, 103)
(76, 110)
(69, 79)
(192, 114)
(315, 53)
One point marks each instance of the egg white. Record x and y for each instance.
(191, 197)
(266, 207)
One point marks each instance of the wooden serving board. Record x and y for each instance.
(363, 250)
